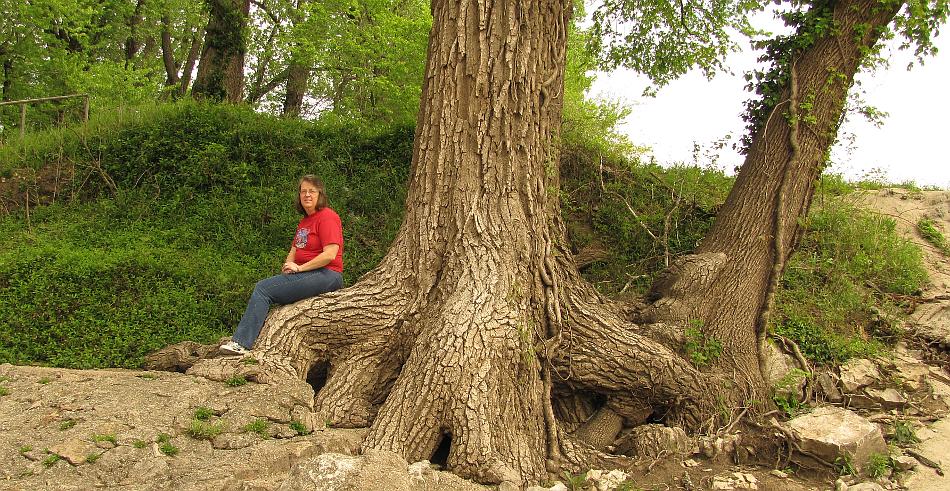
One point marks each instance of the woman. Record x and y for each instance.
(314, 265)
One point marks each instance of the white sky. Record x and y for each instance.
(911, 144)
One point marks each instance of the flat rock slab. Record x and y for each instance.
(858, 373)
(830, 433)
(936, 447)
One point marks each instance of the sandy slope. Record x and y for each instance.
(931, 320)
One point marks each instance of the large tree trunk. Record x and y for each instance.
(186, 71)
(477, 317)
(132, 43)
(298, 76)
(168, 53)
(221, 68)
(756, 228)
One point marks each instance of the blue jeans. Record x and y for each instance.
(281, 289)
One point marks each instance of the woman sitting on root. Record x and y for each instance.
(314, 265)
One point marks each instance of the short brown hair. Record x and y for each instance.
(322, 201)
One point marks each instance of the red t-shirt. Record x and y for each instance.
(316, 231)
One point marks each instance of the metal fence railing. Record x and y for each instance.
(23, 103)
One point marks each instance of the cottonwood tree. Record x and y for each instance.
(220, 74)
(476, 329)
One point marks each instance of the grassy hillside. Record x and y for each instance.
(165, 216)
(201, 208)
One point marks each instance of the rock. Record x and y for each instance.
(840, 485)
(376, 470)
(742, 476)
(830, 433)
(858, 373)
(148, 471)
(888, 398)
(779, 474)
(419, 471)
(779, 367)
(74, 451)
(651, 440)
(862, 401)
(828, 387)
(508, 486)
(604, 481)
(690, 463)
(233, 441)
(558, 486)
(714, 445)
(866, 486)
(912, 372)
(722, 483)
(904, 462)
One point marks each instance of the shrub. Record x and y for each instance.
(258, 426)
(203, 430)
(932, 234)
(841, 293)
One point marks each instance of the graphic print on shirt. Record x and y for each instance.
(300, 241)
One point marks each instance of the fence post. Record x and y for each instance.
(22, 120)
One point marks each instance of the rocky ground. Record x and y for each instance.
(139, 430)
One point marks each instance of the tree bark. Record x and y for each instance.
(7, 79)
(221, 68)
(132, 44)
(476, 327)
(297, 83)
(189, 68)
(168, 54)
(756, 228)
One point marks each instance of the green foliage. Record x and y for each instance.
(236, 381)
(25, 449)
(67, 424)
(844, 466)
(786, 393)
(44, 380)
(628, 485)
(51, 460)
(104, 438)
(258, 426)
(932, 234)
(4, 391)
(92, 458)
(879, 465)
(904, 433)
(663, 40)
(640, 216)
(202, 209)
(299, 427)
(168, 449)
(165, 446)
(575, 482)
(57, 47)
(377, 49)
(203, 414)
(700, 348)
(139, 443)
(842, 290)
(203, 430)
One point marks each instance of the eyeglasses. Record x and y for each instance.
(310, 191)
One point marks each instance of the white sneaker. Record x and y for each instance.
(232, 348)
